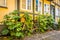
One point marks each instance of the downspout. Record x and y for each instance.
(33, 9)
(42, 6)
(18, 7)
(50, 7)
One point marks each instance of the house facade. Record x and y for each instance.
(32, 6)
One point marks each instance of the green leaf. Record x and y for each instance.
(12, 33)
(5, 32)
(19, 34)
(29, 34)
(18, 29)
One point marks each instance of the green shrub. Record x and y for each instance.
(45, 22)
(28, 26)
(50, 22)
(13, 25)
(58, 25)
(42, 23)
(17, 28)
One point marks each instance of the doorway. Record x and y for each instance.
(53, 11)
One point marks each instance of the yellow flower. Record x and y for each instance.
(13, 20)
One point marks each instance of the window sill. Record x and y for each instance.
(3, 7)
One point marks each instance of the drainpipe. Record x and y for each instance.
(18, 8)
(42, 6)
(33, 9)
(50, 7)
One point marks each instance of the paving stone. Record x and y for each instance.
(53, 35)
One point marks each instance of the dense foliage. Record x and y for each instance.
(27, 24)
(59, 24)
(45, 22)
(13, 25)
(20, 29)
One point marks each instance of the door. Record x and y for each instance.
(53, 11)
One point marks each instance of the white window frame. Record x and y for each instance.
(38, 6)
(45, 9)
(16, 4)
(27, 7)
(27, 4)
(4, 3)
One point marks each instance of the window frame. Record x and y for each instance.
(27, 6)
(38, 6)
(4, 4)
(45, 5)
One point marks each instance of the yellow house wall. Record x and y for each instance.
(10, 4)
(45, 1)
(23, 10)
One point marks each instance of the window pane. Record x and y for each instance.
(24, 4)
(40, 8)
(29, 4)
(2, 2)
(58, 11)
(36, 5)
(44, 8)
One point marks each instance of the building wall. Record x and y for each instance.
(23, 10)
(10, 6)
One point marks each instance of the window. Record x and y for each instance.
(59, 2)
(40, 7)
(27, 4)
(37, 2)
(2, 2)
(24, 4)
(58, 11)
(45, 8)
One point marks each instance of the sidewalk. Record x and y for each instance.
(53, 35)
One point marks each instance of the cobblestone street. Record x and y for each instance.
(53, 35)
